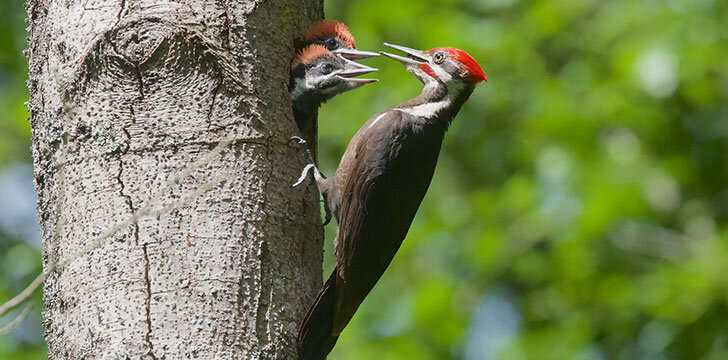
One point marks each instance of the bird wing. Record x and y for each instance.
(388, 171)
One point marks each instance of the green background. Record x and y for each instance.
(580, 206)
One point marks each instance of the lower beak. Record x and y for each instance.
(354, 54)
(416, 57)
(354, 69)
(359, 81)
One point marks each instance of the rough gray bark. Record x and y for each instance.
(126, 95)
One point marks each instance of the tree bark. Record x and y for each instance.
(216, 255)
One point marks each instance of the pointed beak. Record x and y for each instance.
(415, 57)
(354, 69)
(354, 54)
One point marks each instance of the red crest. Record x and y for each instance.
(474, 72)
(329, 28)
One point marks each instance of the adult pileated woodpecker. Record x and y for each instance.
(381, 181)
(336, 37)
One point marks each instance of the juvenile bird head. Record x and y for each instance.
(448, 66)
(336, 37)
(317, 74)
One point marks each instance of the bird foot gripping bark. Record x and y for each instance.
(297, 142)
(310, 168)
(320, 180)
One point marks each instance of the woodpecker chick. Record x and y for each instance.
(379, 185)
(318, 75)
(335, 36)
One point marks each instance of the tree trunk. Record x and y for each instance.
(162, 164)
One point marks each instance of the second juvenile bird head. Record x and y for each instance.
(337, 38)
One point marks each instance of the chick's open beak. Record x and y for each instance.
(354, 69)
(415, 57)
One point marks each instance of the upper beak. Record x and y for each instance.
(354, 54)
(416, 57)
(354, 69)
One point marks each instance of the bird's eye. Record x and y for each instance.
(327, 68)
(439, 58)
(331, 44)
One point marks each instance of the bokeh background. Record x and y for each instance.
(580, 206)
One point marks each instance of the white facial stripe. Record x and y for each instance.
(427, 110)
(421, 75)
(430, 110)
(379, 117)
(316, 80)
(443, 75)
(301, 86)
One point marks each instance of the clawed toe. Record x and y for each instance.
(304, 174)
(310, 168)
(297, 141)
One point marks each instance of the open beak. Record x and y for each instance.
(354, 54)
(354, 69)
(415, 57)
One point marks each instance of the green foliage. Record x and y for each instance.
(586, 181)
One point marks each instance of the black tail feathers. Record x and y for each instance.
(315, 337)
